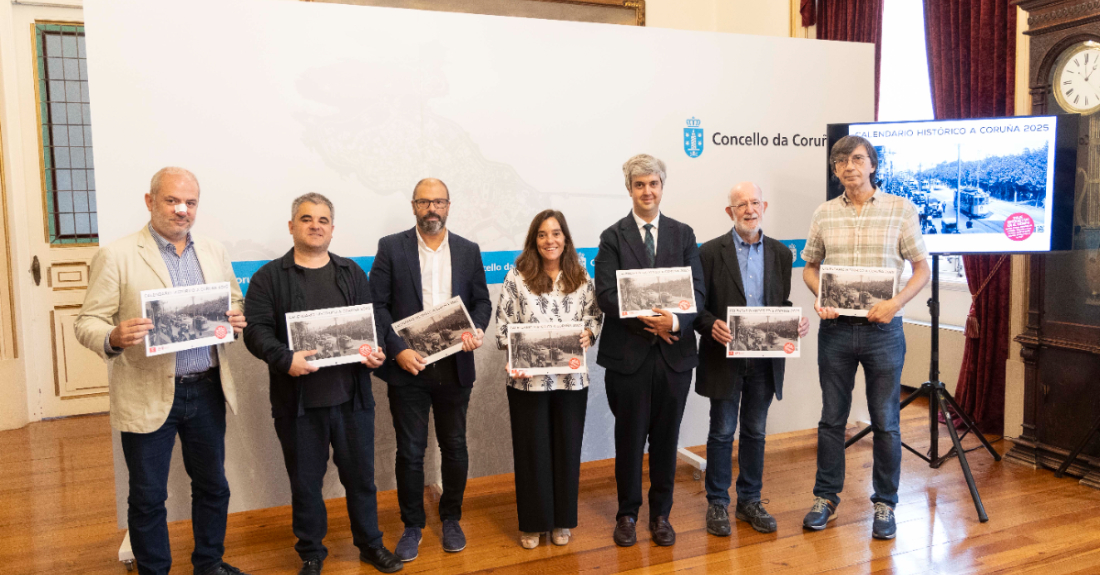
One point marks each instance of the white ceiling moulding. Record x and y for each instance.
(51, 4)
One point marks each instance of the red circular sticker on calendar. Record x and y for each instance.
(574, 363)
(1019, 227)
(467, 335)
(365, 350)
(788, 347)
(220, 331)
(684, 304)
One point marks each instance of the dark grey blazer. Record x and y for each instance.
(719, 377)
(624, 343)
(397, 294)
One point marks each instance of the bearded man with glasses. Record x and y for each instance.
(863, 227)
(741, 267)
(416, 270)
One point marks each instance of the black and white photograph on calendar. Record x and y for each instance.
(763, 331)
(438, 332)
(664, 288)
(186, 317)
(339, 335)
(855, 290)
(546, 348)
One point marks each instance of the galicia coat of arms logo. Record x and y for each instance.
(693, 138)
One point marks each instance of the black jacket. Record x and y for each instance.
(274, 291)
(395, 279)
(719, 377)
(624, 343)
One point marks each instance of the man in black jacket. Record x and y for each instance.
(416, 270)
(742, 268)
(648, 359)
(314, 408)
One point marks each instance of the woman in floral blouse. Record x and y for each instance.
(547, 285)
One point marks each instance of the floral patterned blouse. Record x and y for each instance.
(519, 305)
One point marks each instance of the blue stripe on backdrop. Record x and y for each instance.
(497, 264)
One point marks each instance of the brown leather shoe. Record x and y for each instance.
(662, 531)
(625, 534)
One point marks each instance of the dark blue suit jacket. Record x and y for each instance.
(624, 343)
(397, 294)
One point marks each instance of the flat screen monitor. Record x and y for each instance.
(988, 185)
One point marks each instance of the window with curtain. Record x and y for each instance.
(66, 134)
(905, 92)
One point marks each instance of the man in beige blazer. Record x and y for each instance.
(155, 398)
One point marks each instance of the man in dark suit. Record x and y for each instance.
(742, 268)
(648, 359)
(415, 270)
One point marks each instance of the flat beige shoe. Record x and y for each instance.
(560, 536)
(529, 540)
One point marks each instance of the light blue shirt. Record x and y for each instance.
(750, 258)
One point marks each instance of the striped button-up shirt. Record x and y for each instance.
(185, 271)
(884, 234)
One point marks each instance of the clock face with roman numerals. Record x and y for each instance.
(1077, 78)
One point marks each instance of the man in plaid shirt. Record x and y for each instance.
(863, 227)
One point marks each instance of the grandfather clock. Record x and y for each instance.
(1061, 345)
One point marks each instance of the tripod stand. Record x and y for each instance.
(939, 400)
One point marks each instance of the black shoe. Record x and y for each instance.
(718, 520)
(311, 567)
(884, 526)
(224, 569)
(625, 534)
(381, 559)
(820, 514)
(662, 531)
(754, 514)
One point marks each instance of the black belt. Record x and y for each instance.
(193, 377)
(853, 320)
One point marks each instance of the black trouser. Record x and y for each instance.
(305, 440)
(434, 390)
(547, 430)
(648, 403)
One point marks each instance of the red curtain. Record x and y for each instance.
(852, 21)
(972, 67)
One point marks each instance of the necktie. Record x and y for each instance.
(650, 249)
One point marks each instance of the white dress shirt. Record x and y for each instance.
(641, 227)
(641, 230)
(435, 271)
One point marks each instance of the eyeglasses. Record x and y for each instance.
(437, 204)
(755, 204)
(856, 160)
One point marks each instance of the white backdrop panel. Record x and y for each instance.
(267, 100)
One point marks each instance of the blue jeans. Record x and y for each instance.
(305, 441)
(198, 416)
(756, 396)
(841, 348)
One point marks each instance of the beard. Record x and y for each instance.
(431, 226)
(745, 230)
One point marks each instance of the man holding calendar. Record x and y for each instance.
(648, 359)
(741, 267)
(318, 407)
(862, 227)
(154, 398)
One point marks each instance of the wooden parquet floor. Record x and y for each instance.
(58, 516)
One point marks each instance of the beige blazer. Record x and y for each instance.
(142, 388)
